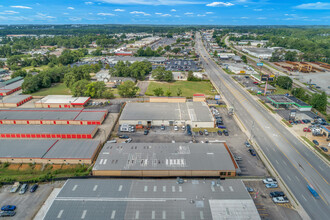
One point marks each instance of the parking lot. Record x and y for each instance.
(181, 65)
(266, 207)
(27, 204)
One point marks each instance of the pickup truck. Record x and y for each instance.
(15, 187)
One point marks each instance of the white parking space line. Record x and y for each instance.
(288, 177)
(304, 197)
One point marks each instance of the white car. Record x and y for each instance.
(269, 180)
(129, 140)
(176, 128)
(280, 200)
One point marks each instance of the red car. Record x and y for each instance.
(307, 130)
(256, 83)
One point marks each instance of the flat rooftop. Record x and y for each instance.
(11, 86)
(47, 129)
(280, 99)
(15, 98)
(63, 99)
(260, 50)
(164, 156)
(194, 111)
(299, 102)
(50, 149)
(53, 114)
(120, 199)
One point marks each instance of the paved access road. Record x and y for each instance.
(291, 159)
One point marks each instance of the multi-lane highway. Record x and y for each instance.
(292, 160)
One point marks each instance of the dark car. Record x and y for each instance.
(8, 208)
(276, 194)
(252, 152)
(34, 188)
(123, 137)
(162, 127)
(324, 149)
(225, 132)
(201, 132)
(7, 213)
(146, 132)
(315, 142)
(220, 132)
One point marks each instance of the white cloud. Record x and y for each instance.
(177, 16)
(314, 6)
(152, 2)
(119, 10)
(173, 10)
(209, 13)
(158, 13)
(258, 9)
(44, 16)
(166, 15)
(188, 13)
(139, 12)
(199, 15)
(70, 8)
(261, 18)
(21, 7)
(244, 17)
(8, 12)
(219, 4)
(89, 3)
(65, 13)
(106, 14)
(75, 19)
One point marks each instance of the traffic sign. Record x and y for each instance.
(260, 64)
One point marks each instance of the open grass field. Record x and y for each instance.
(188, 88)
(55, 89)
(29, 68)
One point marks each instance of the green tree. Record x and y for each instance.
(30, 84)
(284, 82)
(319, 101)
(20, 72)
(179, 92)
(162, 75)
(158, 92)
(215, 53)
(107, 94)
(176, 50)
(79, 87)
(127, 89)
(95, 89)
(168, 93)
(244, 59)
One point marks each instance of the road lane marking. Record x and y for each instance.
(304, 197)
(288, 177)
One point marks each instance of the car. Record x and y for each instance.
(237, 158)
(206, 132)
(280, 199)
(315, 142)
(162, 127)
(252, 152)
(225, 132)
(183, 128)
(7, 213)
(129, 140)
(269, 180)
(276, 194)
(112, 141)
(219, 132)
(324, 149)
(34, 188)
(247, 144)
(249, 189)
(271, 185)
(201, 132)
(146, 132)
(15, 187)
(307, 130)
(123, 137)
(176, 128)
(24, 188)
(255, 83)
(8, 208)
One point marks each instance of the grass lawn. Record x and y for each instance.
(280, 91)
(28, 68)
(55, 89)
(188, 88)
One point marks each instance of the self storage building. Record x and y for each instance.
(165, 160)
(48, 131)
(197, 114)
(61, 101)
(7, 88)
(53, 116)
(49, 151)
(14, 101)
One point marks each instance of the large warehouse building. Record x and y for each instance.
(61, 101)
(49, 151)
(47, 131)
(197, 114)
(53, 116)
(108, 199)
(165, 159)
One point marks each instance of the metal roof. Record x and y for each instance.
(11, 86)
(50, 149)
(193, 111)
(152, 199)
(164, 156)
(46, 129)
(52, 114)
(15, 98)
(63, 99)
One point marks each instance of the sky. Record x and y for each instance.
(168, 12)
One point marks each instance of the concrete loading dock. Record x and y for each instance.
(197, 114)
(49, 151)
(14, 101)
(165, 160)
(53, 116)
(48, 131)
(61, 101)
(123, 199)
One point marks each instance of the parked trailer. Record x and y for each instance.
(313, 191)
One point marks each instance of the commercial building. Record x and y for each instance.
(14, 101)
(262, 53)
(53, 116)
(49, 151)
(287, 101)
(167, 99)
(302, 106)
(104, 199)
(199, 98)
(10, 86)
(197, 114)
(165, 160)
(61, 101)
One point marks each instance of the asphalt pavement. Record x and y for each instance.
(293, 161)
